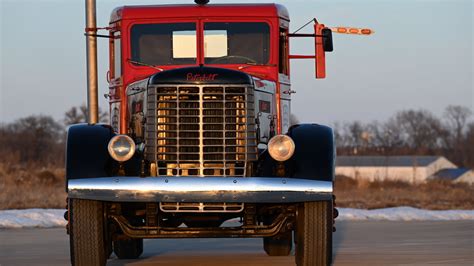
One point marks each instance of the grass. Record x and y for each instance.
(31, 187)
(43, 187)
(433, 195)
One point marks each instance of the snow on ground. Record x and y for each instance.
(46, 218)
(404, 214)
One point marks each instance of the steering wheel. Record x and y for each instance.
(248, 60)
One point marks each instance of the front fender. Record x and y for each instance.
(86, 151)
(314, 156)
(315, 153)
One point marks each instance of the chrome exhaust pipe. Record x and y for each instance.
(91, 50)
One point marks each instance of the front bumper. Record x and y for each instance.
(200, 189)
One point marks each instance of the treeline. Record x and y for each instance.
(412, 132)
(39, 140)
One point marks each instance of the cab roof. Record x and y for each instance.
(190, 11)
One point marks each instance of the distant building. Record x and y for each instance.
(413, 169)
(456, 175)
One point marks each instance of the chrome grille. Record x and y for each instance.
(200, 207)
(201, 130)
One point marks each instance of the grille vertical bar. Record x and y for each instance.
(205, 130)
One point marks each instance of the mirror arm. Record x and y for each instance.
(305, 35)
(302, 56)
(99, 35)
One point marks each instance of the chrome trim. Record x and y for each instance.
(201, 130)
(200, 189)
(91, 63)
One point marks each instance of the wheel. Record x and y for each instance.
(128, 248)
(279, 245)
(314, 234)
(86, 238)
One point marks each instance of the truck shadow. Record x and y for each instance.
(211, 251)
(215, 251)
(338, 237)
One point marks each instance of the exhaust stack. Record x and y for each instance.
(91, 50)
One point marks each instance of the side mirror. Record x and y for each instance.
(327, 39)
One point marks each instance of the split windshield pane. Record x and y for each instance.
(236, 42)
(164, 44)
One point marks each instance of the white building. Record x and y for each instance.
(456, 175)
(413, 169)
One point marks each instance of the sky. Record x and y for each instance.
(420, 57)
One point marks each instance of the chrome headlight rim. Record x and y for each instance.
(112, 148)
(276, 142)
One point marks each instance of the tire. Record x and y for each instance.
(279, 245)
(128, 248)
(314, 234)
(86, 238)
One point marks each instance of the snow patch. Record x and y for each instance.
(44, 218)
(47, 218)
(404, 214)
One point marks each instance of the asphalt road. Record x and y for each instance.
(356, 243)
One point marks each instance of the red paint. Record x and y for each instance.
(123, 18)
(259, 84)
(278, 108)
(296, 56)
(264, 106)
(320, 54)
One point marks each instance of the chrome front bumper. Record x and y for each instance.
(200, 189)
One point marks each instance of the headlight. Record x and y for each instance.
(281, 147)
(121, 148)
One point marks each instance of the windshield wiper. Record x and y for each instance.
(249, 64)
(144, 64)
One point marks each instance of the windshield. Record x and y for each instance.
(176, 43)
(236, 42)
(164, 44)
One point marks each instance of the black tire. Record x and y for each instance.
(279, 245)
(128, 248)
(86, 238)
(314, 234)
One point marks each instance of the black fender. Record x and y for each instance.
(86, 151)
(314, 156)
(315, 152)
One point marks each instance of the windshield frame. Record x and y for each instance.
(139, 23)
(200, 40)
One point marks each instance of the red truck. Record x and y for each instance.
(200, 135)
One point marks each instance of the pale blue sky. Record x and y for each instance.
(420, 57)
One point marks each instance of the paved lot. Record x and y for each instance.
(356, 243)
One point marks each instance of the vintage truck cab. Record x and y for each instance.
(200, 135)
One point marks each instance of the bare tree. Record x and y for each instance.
(354, 136)
(389, 137)
(456, 120)
(468, 146)
(35, 138)
(421, 127)
(79, 114)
